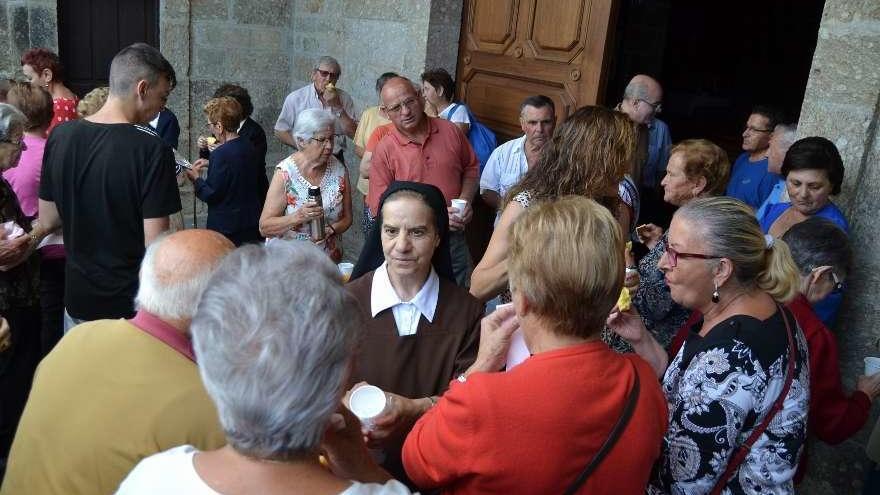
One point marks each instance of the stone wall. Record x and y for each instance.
(25, 24)
(212, 42)
(842, 103)
(370, 37)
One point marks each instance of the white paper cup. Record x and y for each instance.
(872, 365)
(345, 270)
(459, 205)
(368, 403)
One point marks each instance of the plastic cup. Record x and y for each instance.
(872, 365)
(345, 270)
(368, 403)
(459, 205)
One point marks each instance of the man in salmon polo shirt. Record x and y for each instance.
(428, 150)
(115, 391)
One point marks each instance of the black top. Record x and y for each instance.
(168, 128)
(105, 179)
(254, 133)
(230, 190)
(19, 287)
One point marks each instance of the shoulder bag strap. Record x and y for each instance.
(612, 437)
(744, 449)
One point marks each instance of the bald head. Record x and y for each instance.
(642, 98)
(176, 270)
(402, 104)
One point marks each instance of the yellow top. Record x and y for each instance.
(107, 396)
(370, 120)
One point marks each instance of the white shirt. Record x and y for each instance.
(505, 167)
(172, 472)
(460, 115)
(307, 97)
(406, 313)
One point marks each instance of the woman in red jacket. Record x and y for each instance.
(822, 253)
(536, 427)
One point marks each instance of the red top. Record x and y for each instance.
(443, 160)
(834, 415)
(535, 428)
(63, 109)
(153, 325)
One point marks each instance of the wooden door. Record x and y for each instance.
(91, 32)
(511, 49)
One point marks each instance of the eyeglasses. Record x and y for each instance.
(323, 140)
(408, 103)
(658, 107)
(327, 73)
(755, 129)
(674, 255)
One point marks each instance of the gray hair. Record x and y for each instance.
(176, 300)
(328, 60)
(312, 120)
(11, 119)
(818, 242)
(137, 62)
(729, 229)
(787, 134)
(274, 355)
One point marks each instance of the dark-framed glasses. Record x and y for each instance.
(755, 129)
(673, 256)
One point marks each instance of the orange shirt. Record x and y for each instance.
(377, 135)
(444, 160)
(535, 428)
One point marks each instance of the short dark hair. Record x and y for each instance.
(34, 102)
(383, 79)
(816, 242)
(537, 101)
(240, 94)
(439, 78)
(41, 58)
(815, 152)
(774, 115)
(136, 62)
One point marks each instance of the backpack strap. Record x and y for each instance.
(616, 431)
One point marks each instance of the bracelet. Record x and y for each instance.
(332, 229)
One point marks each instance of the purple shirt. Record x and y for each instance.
(25, 178)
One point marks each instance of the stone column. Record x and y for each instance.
(842, 103)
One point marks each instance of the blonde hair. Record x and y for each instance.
(226, 111)
(703, 158)
(566, 258)
(729, 229)
(92, 101)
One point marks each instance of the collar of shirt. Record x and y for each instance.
(238, 131)
(383, 296)
(155, 326)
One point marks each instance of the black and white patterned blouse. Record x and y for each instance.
(719, 388)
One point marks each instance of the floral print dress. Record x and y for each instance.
(719, 387)
(296, 188)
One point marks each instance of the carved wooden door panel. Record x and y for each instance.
(511, 49)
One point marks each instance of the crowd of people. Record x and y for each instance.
(227, 359)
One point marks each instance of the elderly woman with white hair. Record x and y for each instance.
(19, 284)
(275, 360)
(288, 211)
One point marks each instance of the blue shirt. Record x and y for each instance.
(659, 144)
(774, 197)
(750, 182)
